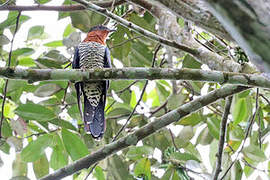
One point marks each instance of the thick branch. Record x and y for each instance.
(135, 73)
(145, 131)
(136, 28)
(76, 7)
(251, 30)
(192, 10)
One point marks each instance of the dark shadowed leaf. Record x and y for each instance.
(74, 145)
(35, 149)
(213, 124)
(41, 166)
(84, 20)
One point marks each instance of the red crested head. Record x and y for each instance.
(98, 34)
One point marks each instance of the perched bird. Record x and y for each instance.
(92, 52)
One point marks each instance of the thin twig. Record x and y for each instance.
(124, 89)
(249, 165)
(126, 41)
(173, 141)
(75, 7)
(5, 3)
(246, 135)
(90, 172)
(41, 133)
(131, 114)
(223, 126)
(8, 65)
(141, 96)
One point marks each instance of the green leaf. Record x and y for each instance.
(254, 153)
(204, 137)
(31, 111)
(3, 40)
(184, 136)
(43, 1)
(23, 52)
(41, 166)
(143, 169)
(84, 20)
(54, 44)
(154, 95)
(175, 100)
(68, 30)
(239, 110)
(59, 158)
(19, 167)
(10, 22)
(213, 124)
(63, 123)
(35, 32)
(74, 145)
(133, 101)
(98, 173)
(191, 120)
(183, 156)
(47, 90)
(27, 61)
(190, 62)
(236, 171)
(138, 152)
(35, 149)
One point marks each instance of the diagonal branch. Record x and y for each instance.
(145, 131)
(135, 74)
(136, 28)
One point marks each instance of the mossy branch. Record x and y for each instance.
(33, 75)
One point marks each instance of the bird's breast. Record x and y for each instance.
(91, 55)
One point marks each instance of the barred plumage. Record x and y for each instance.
(93, 53)
(92, 56)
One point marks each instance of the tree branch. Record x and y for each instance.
(59, 8)
(135, 73)
(136, 28)
(145, 131)
(223, 127)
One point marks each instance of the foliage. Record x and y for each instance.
(44, 115)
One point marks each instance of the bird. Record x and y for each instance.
(92, 52)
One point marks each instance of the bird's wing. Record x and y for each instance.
(107, 63)
(76, 65)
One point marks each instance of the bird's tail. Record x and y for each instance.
(94, 119)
